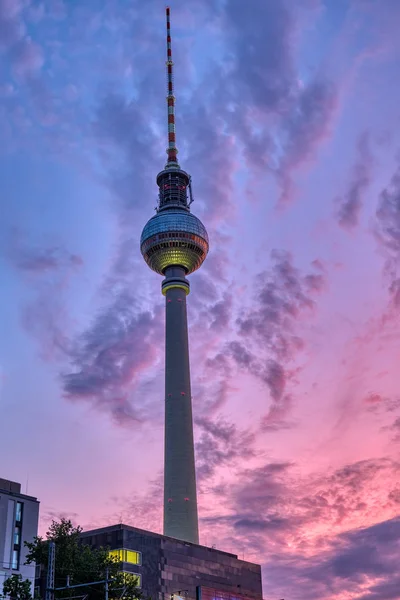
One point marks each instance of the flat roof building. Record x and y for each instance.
(19, 515)
(168, 568)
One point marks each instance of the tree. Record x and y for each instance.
(17, 589)
(82, 564)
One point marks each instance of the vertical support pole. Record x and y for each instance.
(50, 571)
(106, 586)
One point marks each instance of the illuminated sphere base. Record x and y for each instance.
(174, 237)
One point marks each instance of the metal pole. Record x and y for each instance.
(50, 571)
(106, 586)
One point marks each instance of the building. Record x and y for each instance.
(174, 243)
(19, 515)
(168, 568)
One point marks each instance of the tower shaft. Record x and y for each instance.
(180, 499)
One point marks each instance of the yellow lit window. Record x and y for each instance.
(128, 556)
(131, 577)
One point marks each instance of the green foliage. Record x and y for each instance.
(82, 564)
(16, 588)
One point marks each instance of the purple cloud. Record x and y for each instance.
(41, 260)
(285, 516)
(351, 202)
(110, 358)
(267, 338)
(220, 444)
(25, 55)
(388, 234)
(308, 125)
(47, 271)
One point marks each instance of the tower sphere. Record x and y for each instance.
(172, 238)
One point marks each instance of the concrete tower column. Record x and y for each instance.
(180, 498)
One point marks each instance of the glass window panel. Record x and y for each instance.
(128, 556)
(18, 512)
(116, 554)
(133, 557)
(130, 577)
(15, 559)
(17, 536)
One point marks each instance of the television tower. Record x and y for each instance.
(174, 243)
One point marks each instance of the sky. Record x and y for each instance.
(288, 122)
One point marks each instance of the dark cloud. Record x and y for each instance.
(282, 298)
(260, 41)
(378, 403)
(388, 215)
(24, 54)
(394, 428)
(263, 524)
(373, 398)
(220, 444)
(278, 414)
(308, 124)
(44, 259)
(394, 495)
(268, 340)
(388, 234)
(361, 562)
(124, 137)
(315, 282)
(47, 272)
(220, 312)
(285, 516)
(275, 377)
(11, 28)
(337, 497)
(241, 355)
(46, 318)
(258, 81)
(351, 202)
(111, 356)
(260, 490)
(212, 382)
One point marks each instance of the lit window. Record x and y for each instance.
(130, 578)
(128, 556)
(18, 512)
(15, 559)
(133, 557)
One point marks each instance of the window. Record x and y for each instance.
(130, 577)
(15, 559)
(17, 536)
(18, 512)
(128, 556)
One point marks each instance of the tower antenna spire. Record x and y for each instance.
(172, 151)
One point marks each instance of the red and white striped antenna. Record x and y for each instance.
(172, 150)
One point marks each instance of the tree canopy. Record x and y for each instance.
(82, 564)
(17, 589)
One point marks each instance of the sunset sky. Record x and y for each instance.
(288, 121)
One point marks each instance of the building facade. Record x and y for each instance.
(19, 515)
(171, 569)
